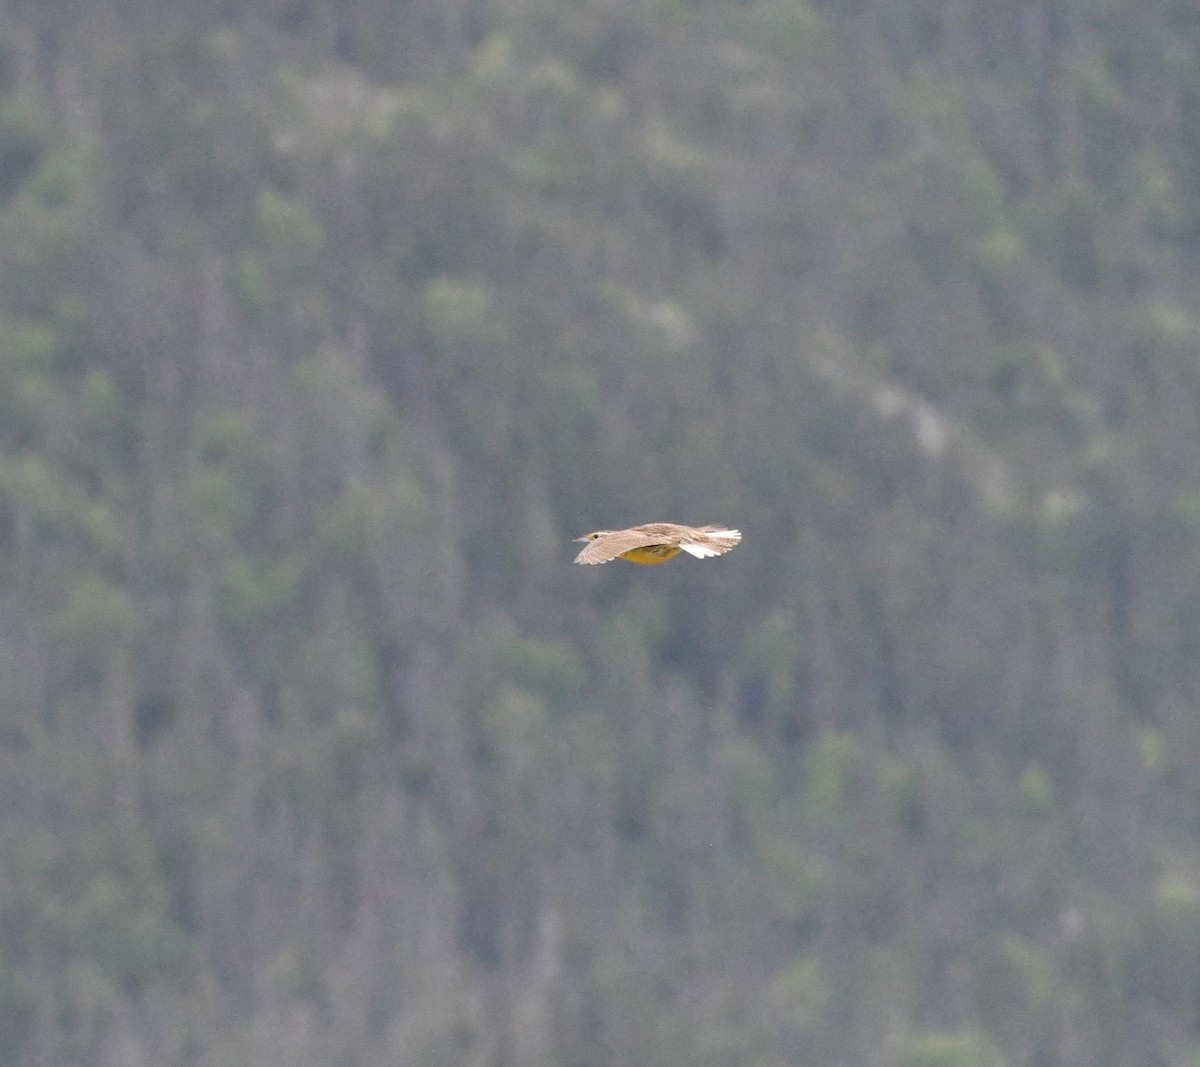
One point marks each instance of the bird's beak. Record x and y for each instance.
(580, 539)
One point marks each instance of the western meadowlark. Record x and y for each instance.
(656, 542)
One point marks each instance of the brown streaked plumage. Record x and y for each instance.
(656, 542)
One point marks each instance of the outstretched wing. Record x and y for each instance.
(611, 545)
(712, 541)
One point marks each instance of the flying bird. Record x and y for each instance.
(656, 542)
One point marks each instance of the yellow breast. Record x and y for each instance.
(651, 554)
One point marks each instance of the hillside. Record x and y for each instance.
(325, 327)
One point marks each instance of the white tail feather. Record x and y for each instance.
(703, 551)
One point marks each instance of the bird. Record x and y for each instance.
(656, 542)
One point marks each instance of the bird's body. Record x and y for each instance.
(656, 542)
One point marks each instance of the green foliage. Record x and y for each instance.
(322, 330)
(798, 996)
(251, 285)
(287, 228)
(937, 1049)
(61, 180)
(36, 496)
(127, 938)
(830, 770)
(96, 612)
(109, 417)
(251, 595)
(548, 668)
(8, 68)
(455, 312)
(1035, 788)
(23, 145)
(17, 1010)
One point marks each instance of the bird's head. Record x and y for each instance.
(593, 535)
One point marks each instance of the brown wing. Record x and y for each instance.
(611, 545)
(710, 541)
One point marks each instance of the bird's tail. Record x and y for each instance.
(716, 541)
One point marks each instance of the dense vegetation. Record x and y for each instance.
(325, 325)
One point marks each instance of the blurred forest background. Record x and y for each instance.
(326, 324)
